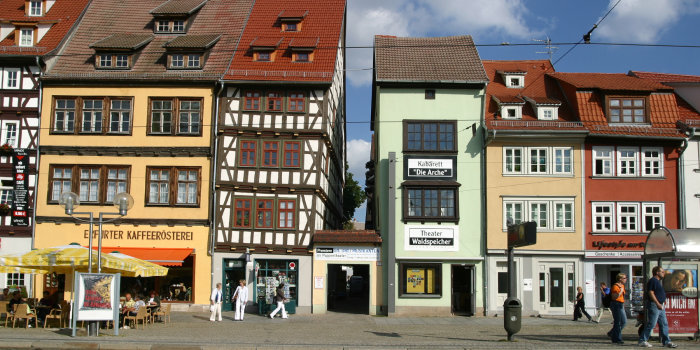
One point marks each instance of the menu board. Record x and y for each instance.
(20, 163)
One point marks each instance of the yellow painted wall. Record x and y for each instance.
(139, 118)
(531, 186)
(320, 299)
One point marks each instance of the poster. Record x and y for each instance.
(97, 296)
(415, 281)
(681, 311)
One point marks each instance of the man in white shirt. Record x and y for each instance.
(216, 299)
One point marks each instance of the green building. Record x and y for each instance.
(425, 178)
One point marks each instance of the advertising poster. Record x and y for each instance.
(415, 281)
(681, 306)
(96, 296)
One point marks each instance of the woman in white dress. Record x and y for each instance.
(240, 298)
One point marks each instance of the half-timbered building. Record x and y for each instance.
(129, 107)
(280, 147)
(31, 31)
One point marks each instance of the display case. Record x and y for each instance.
(271, 273)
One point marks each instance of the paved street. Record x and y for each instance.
(334, 331)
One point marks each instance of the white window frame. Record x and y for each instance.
(12, 277)
(564, 163)
(531, 161)
(518, 112)
(509, 81)
(534, 211)
(564, 211)
(659, 159)
(121, 61)
(610, 159)
(634, 160)
(541, 111)
(620, 216)
(527, 213)
(509, 208)
(660, 216)
(24, 39)
(610, 215)
(33, 8)
(511, 159)
(16, 76)
(5, 129)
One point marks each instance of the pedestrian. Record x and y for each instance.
(655, 310)
(240, 298)
(617, 307)
(216, 299)
(604, 300)
(280, 298)
(580, 306)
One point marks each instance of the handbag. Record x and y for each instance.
(212, 308)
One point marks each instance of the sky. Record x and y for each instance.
(499, 26)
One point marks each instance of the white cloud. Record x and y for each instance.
(358, 154)
(483, 19)
(643, 21)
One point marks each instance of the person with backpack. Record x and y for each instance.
(604, 300)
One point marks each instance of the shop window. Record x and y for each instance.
(88, 181)
(421, 279)
(174, 287)
(270, 273)
(430, 136)
(247, 151)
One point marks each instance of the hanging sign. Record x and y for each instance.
(430, 168)
(20, 163)
(431, 238)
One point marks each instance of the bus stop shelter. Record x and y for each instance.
(678, 252)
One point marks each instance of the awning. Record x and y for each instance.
(160, 256)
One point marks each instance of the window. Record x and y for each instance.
(247, 150)
(435, 203)
(87, 181)
(9, 133)
(429, 94)
(562, 161)
(602, 217)
(26, 37)
(626, 110)
(430, 136)
(120, 117)
(553, 215)
(602, 161)
(297, 102)
(513, 161)
(274, 101)
(627, 161)
(15, 279)
(538, 160)
(421, 279)
(178, 26)
(653, 215)
(286, 212)
(652, 162)
(547, 113)
(270, 153)
(263, 56)
(35, 8)
(111, 61)
(170, 26)
(302, 57)
(163, 26)
(11, 78)
(184, 181)
(291, 154)
(188, 112)
(6, 196)
(105, 60)
(122, 61)
(64, 120)
(177, 61)
(512, 112)
(263, 213)
(514, 82)
(193, 61)
(241, 213)
(251, 101)
(290, 27)
(92, 116)
(627, 217)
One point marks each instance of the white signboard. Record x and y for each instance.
(97, 296)
(527, 284)
(614, 254)
(347, 253)
(431, 238)
(430, 168)
(318, 282)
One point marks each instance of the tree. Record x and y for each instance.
(353, 197)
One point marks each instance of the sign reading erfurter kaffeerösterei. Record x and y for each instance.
(430, 168)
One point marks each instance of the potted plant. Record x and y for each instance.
(4, 209)
(6, 149)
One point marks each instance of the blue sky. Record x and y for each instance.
(648, 22)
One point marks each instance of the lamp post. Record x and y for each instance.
(69, 201)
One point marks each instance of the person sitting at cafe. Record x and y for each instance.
(139, 303)
(46, 304)
(128, 308)
(5, 294)
(153, 299)
(16, 299)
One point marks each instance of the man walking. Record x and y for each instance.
(216, 299)
(655, 310)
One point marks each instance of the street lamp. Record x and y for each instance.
(69, 201)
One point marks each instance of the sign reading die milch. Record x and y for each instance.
(430, 168)
(20, 163)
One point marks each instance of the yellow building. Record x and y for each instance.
(134, 113)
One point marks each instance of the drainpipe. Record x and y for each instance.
(38, 136)
(212, 177)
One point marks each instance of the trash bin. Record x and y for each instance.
(512, 312)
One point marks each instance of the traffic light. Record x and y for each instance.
(522, 234)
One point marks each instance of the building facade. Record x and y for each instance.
(280, 158)
(534, 152)
(427, 203)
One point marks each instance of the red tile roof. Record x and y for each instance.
(294, 13)
(304, 42)
(343, 236)
(666, 78)
(178, 7)
(538, 88)
(609, 82)
(63, 13)
(451, 59)
(325, 20)
(106, 17)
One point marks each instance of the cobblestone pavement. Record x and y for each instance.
(334, 331)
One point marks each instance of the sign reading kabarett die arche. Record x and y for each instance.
(431, 238)
(20, 165)
(430, 168)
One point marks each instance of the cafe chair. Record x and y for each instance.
(21, 313)
(54, 314)
(164, 313)
(142, 315)
(4, 309)
(10, 315)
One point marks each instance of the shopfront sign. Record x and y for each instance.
(431, 238)
(433, 168)
(20, 163)
(347, 253)
(142, 235)
(619, 244)
(613, 254)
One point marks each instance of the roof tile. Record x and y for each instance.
(609, 81)
(123, 41)
(178, 7)
(203, 41)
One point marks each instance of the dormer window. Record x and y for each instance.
(170, 26)
(512, 112)
(546, 108)
(185, 61)
(303, 49)
(301, 57)
(290, 26)
(35, 8)
(172, 16)
(547, 113)
(264, 48)
(515, 82)
(189, 51)
(513, 79)
(26, 37)
(627, 110)
(112, 61)
(119, 51)
(291, 19)
(263, 56)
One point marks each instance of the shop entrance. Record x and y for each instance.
(463, 290)
(234, 271)
(348, 288)
(556, 287)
